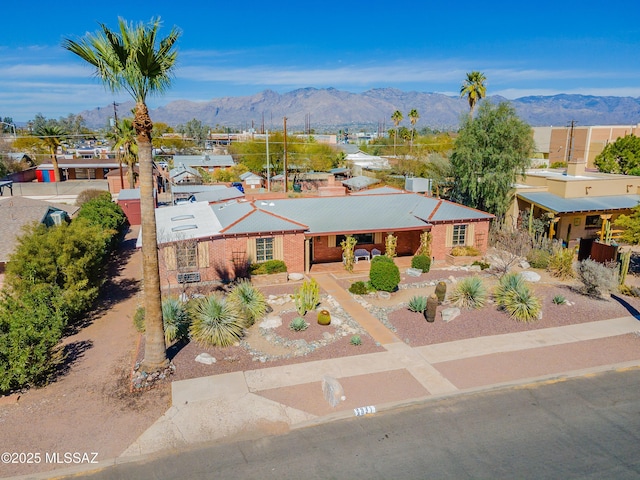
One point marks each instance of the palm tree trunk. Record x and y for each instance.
(54, 162)
(155, 352)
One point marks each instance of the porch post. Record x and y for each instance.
(307, 255)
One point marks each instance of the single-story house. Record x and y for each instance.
(210, 163)
(210, 242)
(77, 169)
(16, 212)
(184, 174)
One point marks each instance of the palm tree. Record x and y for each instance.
(125, 140)
(51, 136)
(474, 89)
(413, 118)
(397, 118)
(133, 59)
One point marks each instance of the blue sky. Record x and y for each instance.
(241, 48)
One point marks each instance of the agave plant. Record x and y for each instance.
(470, 292)
(176, 319)
(418, 303)
(248, 300)
(216, 322)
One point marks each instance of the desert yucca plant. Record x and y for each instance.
(522, 304)
(418, 303)
(216, 322)
(249, 301)
(508, 282)
(561, 263)
(559, 300)
(176, 319)
(470, 292)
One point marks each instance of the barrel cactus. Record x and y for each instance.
(432, 306)
(441, 291)
(324, 317)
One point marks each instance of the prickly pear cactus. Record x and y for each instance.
(432, 306)
(441, 291)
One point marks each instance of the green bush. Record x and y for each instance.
(107, 215)
(91, 194)
(216, 322)
(465, 251)
(176, 319)
(384, 274)
(298, 324)
(418, 304)
(359, 288)
(138, 320)
(597, 279)
(561, 263)
(538, 258)
(268, 267)
(31, 327)
(470, 292)
(421, 262)
(250, 301)
(483, 265)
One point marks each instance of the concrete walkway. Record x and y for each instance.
(274, 400)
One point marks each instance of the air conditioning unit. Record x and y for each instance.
(57, 217)
(189, 277)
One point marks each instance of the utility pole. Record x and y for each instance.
(286, 180)
(570, 149)
(268, 165)
(115, 129)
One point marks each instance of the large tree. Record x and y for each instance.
(124, 136)
(414, 116)
(51, 136)
(621, 156)
(397, 118)
(489, 152)
(135, 60)
(474, 89)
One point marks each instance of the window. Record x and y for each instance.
(264, 249)
(187, 255)
(593, 221)
(361, 239)
(459, 235)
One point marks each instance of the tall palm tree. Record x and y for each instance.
(51, 136)
(413, 118)
(133, 59)
(397, 118)
(474, 89)
(125, 136)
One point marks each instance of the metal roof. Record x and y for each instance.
(556, 204)
(219, 195)
(186, 222)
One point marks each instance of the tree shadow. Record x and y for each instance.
(68, 356)
(174, 349)
(632, 310)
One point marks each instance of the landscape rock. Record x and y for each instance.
(413, 272)
(271, 322)
(530, 276)
(449, 314)
(332, 390)
(206, 359)
(524, 265)
(295, 277)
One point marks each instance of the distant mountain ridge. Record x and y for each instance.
(329, 109)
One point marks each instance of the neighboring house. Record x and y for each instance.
(77, 169)
(119, 177)
(363, 161)
(224, 194)
(186, 191)
(184, 174)
(251, 180)
(211, 242)
(210, 163)
(17, 212)
(576, 203)
(360, 182)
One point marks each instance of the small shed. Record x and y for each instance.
(129, 201)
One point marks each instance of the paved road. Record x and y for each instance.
(586, 427)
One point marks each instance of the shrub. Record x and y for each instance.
(30, 328)
(470, 292)
(561, 263)
(268, 267)
(307, 296)
(216, 322)
(482, 264)
(91, 194)
(355, 340)
(507, 284)
(175, 319)
(418, 304)
(421, 262)
(464, 251)
(359, 288)
(138, 319)
(522, 304)
(298, 324)
(248, 300)
(384, 274)
(539, 258)
(559, 300)
(597, 278)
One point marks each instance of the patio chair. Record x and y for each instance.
(375, 253)
(361, 254)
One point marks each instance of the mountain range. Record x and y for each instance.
(329, 109)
